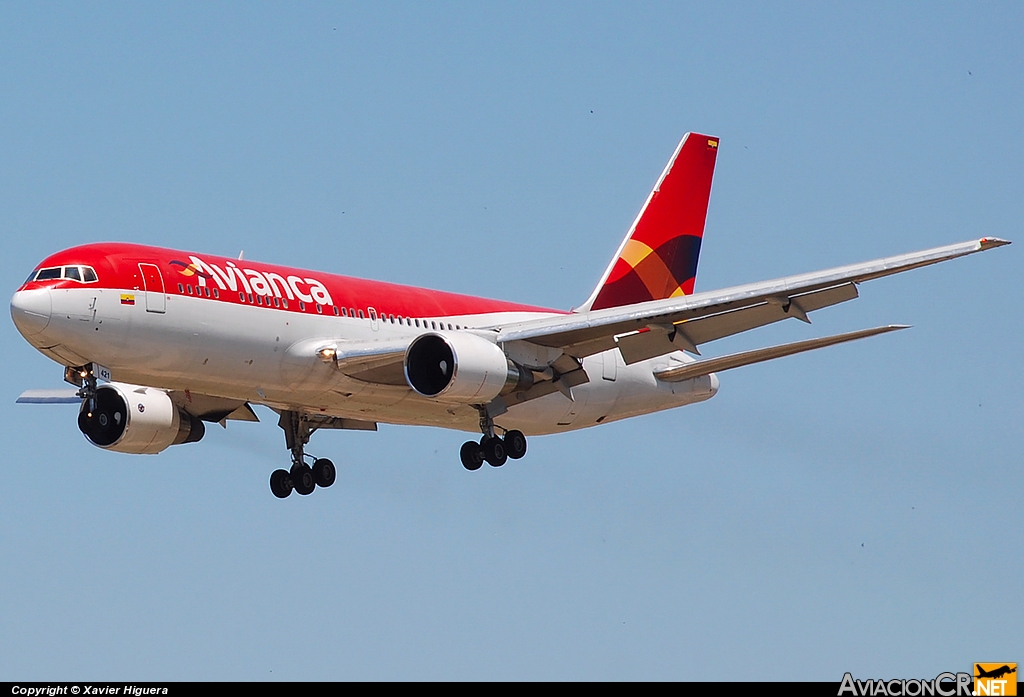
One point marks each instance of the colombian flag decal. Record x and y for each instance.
(127, 299)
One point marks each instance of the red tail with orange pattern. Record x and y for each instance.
(658, 258)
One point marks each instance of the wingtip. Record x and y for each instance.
(992, 242)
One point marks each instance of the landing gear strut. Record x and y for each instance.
(492, 449)
(301, 477)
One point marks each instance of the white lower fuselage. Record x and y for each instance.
(260, 355)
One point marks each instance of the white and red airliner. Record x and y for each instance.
(158, 341)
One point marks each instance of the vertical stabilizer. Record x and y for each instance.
(658, 258)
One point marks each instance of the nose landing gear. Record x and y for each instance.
(301, 477)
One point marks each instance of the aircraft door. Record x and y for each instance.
(153, 282)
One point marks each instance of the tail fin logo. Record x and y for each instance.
(658, 258)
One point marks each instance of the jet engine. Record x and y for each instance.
(138, 420)
(462, 368)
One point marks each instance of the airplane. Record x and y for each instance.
(996, 673)
(159, 342)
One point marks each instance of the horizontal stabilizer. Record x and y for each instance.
(64, 396)
(714, 365)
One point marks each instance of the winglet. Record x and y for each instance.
(991, 243)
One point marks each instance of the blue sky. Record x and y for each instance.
(848, 509)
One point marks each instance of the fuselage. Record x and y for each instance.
(242, 330)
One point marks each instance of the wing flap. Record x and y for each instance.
(713, 327)
(666, 338)
(736, 360)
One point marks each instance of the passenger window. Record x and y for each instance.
(48, 274)
(277, 302)
(284, 301)
(319, 309)
(72, 273)
(360, 314)
(216, 294)
(336, 312)
(241, 296)
(181, 288)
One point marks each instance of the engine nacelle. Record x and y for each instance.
(138, 420)
(462, 368)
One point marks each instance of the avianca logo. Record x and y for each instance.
(265, 283)
(189, 270)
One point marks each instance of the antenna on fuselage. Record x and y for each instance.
(240, 254)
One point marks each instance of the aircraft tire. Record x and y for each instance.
(281, 484)
(324, 473)
(302, 479)
(472, 455)
(515, 444)
(494, 451)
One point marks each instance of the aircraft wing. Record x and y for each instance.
(205, 407)
(654, 328)
(59, 396)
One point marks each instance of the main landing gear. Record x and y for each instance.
(301, 477)
(493, 450)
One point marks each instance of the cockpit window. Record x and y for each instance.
(82, 274)
(49, 274)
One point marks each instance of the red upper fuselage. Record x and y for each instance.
(117, 266)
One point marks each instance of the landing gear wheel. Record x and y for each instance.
(515, 444)
(494, 451)
(302, 479)
(324, 473)
(472, 455)
(281, 484)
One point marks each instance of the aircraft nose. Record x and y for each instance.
(30, 310)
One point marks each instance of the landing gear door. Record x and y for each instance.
(153, 282)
